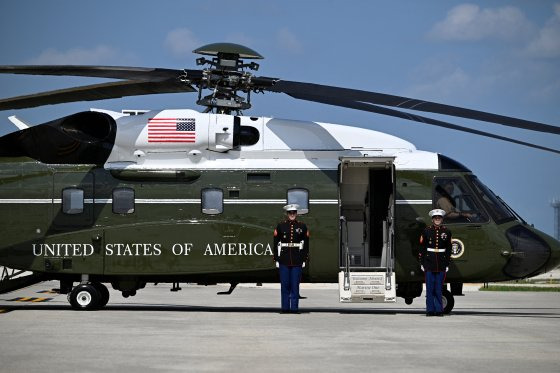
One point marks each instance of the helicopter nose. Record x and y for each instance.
(532, 252)
(554, 260)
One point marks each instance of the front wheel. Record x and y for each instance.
(447, 301)
(84, 297)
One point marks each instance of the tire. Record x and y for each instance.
(447, 301)
(103, 294)
(84, 297)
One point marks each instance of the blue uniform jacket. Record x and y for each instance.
(292, 232)
(435, 248)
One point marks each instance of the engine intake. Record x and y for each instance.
(82, 138)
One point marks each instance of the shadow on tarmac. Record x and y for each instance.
(553, 312)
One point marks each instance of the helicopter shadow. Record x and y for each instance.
(547, 313)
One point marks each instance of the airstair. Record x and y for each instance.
(366, 201)
(13, 279)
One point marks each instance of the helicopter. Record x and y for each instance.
(181, 196)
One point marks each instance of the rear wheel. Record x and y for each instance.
(103, 294)
(447, 301)
(84, 297)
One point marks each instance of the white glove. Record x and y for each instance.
(422, 267)
(303, 265)
(277, 265)
(446, 269)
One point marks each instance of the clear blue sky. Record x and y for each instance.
(498, 56)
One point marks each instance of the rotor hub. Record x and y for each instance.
(225, 77)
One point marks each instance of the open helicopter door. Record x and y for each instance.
(366, 202)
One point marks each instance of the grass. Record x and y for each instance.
(550, 281)
(519, 288)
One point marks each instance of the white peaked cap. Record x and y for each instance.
(437, 212)
(291, 207)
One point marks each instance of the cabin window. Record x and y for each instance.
(301, 197)
(452, 195)
(212, 201)
(123, 200)
(72, 201)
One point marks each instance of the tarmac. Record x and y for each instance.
(195, 330)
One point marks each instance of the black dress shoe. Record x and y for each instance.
(439, 314)
(430, 314)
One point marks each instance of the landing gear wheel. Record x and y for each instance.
(447, 301)
(84, 297)
(103, 294)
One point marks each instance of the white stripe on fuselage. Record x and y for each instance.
(167, 201)
(197, 200)
(413, 201)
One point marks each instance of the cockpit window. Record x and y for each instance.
(452, 195)
(499, 212)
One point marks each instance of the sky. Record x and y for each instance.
(496, 56)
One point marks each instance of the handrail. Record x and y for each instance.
(344, 224)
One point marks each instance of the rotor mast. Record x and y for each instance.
(226, 77)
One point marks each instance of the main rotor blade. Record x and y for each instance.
(96, 92)
(114, 72)
(299, 89)
(417, 118)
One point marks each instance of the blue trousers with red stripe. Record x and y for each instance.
(289, 287)
(434, 283)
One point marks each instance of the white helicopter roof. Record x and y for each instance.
(206, 141)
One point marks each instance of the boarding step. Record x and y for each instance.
(11, 280)
(367, 287)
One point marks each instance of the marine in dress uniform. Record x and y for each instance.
(291, 252)
(434, 256)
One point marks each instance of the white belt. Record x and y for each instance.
(290, 244)
(435, 250)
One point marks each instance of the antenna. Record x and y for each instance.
(556, 205)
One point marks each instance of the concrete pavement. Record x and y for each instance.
(199, 331)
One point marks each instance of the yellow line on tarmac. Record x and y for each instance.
(40, 300)
(30, 299)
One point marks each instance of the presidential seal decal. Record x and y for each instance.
(457, 248)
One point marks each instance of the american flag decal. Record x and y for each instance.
(172, 130)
